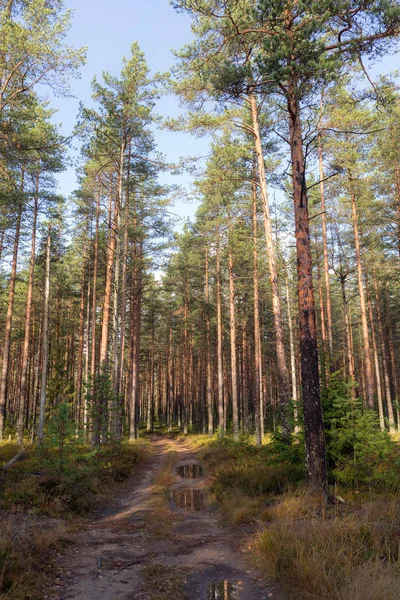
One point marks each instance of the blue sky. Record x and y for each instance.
(108, 29)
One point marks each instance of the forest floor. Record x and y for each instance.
(160, 538)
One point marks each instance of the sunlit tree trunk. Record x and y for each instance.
(369, 382)
(325, 244)
(276, 300)
(234, 377)
(388, 394)
(381, 412)
(219, 341)
(9, 317)
(257, 338)
(208, 351)
(28, 318)
(45, 338)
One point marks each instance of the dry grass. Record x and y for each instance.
(322, 556)
(28, 546)
(240, 508)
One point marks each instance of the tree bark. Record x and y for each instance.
(28, 318)
(364, 322)
(219, 342)
(45, 339)
(257, 337)
(276, 300)
(9, 317)
(385, 369)
(208, 351)
(234, 378)
(313, 423)
(325, 245)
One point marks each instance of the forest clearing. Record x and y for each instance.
(200, 402)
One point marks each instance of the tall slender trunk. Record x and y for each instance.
(385, 369)
(292, 356)
(28, 318)
(257, 337)
(392, 355)
(347, 327)
(45, 338)
(136, 335)
(94, 293)
(276, 300)
(325, 244)
(322, 320)
(87, 342)
(81, 340)
(170, 386)
(9, 317)
(109, 269)
(185, 366)
(376, 362)
(208, 351)
(364, 322)
(313, 423)
(219, 341)
(234, 378)
(124, 274)
(397, 192)
(95, 434)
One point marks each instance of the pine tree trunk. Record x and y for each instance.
(9, 317)
(257, 337)
(124, 275)
(79, 368)
(136, 328)
(219, 342)
(95, 400)
(28, 315)
(349, 343)
(292, 356)
(369, 382)
(388, 394)
(276, 300)
(45, 338)
(234, 378)
(208, 352)
(381, 412)
(313, 423)
(325, 246)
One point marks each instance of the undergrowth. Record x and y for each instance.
(36, 484)
(316, 550)
(39, 490)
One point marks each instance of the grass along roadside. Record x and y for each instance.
(318, 552)
(41, 504)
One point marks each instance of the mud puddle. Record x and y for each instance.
(192, 500)
(192, 471)
(223, 590)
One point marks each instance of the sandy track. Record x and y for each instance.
(140, 547)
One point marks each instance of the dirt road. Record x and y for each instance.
(149, 545)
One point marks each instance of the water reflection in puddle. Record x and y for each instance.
(223, 590)
(190, 471)
(188, 499)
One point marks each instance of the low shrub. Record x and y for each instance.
(37, 484)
